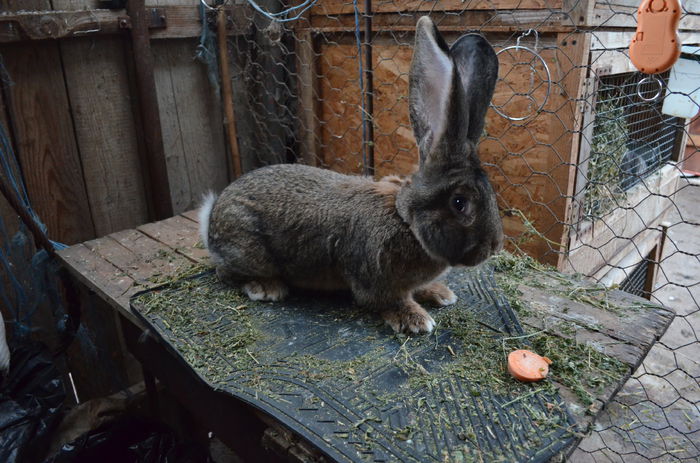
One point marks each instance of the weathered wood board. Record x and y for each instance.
(334, 7)
(45, 140)
(191, 120)
(106, 132)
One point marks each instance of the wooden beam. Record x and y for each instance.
(163, 23)
(337, 7)
(483, 20)
(159, 188)
(573, 61)
(608, 15)
(307, 84)
(580, 159)
(227, 94)
(41, 25)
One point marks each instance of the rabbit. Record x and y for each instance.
(387, 241)
(638, 161)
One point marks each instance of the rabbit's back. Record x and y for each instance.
(306, 223)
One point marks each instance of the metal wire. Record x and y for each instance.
(573, 163)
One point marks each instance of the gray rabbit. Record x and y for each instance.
(386, 241)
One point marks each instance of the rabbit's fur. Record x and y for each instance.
(386, 241)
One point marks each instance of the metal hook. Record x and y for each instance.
(517, 46)
(525, 34)
(651, 78)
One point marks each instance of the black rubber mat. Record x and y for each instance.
(344, 381)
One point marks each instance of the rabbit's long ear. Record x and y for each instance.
(476, 66)
(430, 86)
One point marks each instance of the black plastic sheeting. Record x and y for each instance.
(131, 440)
(31, 408)
(31, 397)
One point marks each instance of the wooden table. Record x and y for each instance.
(113, 268)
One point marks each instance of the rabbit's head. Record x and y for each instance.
(449, 203)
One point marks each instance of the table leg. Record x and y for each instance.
(150, 382)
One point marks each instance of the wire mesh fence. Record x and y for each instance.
(591, 160)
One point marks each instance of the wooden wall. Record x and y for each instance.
(74, 118)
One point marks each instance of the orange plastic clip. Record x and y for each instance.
(656, 46)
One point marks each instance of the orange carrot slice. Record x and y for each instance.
(527, 366)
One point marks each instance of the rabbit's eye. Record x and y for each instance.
(459, 203)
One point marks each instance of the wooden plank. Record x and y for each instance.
(335, 7)
(579, 11)
(180, 234)
(182, 21)
(111, 283)
(45, 139)
(609, 15)
(191, 122)
(120, 264)
(626, 352)
(144, 259)
(629, 323)
(485, 20)
(605, 40)
(98, 89)
(192, 215)
(46, 24)
(106, 132)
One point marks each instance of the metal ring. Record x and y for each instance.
(204, 3)
(211, 8)
(652, 78)
(549, 83)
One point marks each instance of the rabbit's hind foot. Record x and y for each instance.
(266, 290)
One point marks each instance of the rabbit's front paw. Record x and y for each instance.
(435, 293)
(266, 290)
(410, 318)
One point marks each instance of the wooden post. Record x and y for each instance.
(368, 95)
(227, 93)
(307, 84)
(574, 49)
(158, 185)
